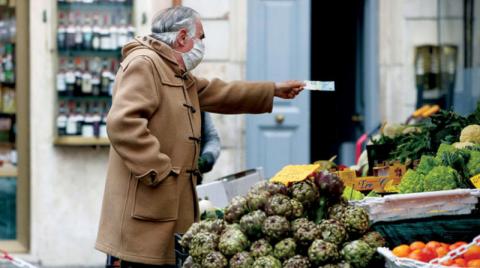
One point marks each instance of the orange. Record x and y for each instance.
(401, 251)
(472, 253)
(441, 251)
(417, 245)
(460, 262)
(417, 255)
(474, 263)
(457, 245)
(433, 244)
(448, 263)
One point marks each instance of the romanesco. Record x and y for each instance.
(473, 164)
(412, 182)
(441, 178)
(426, 164)
(444, 147)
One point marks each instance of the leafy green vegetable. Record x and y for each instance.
(350, 194)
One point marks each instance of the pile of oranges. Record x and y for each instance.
(426, 252)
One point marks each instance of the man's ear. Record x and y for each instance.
(181, 37)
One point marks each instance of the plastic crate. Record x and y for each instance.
(181, 253)
(391, 261)
(420, 205)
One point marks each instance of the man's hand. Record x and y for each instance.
(288, 89)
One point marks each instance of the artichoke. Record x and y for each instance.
(297, 209)
(189, 263)
(258, 187)
(332, 231)
(276, 227)
(374, 239)
(191, 232)
(285, 249)
(276, 188)
(241, 260)
(336, 211)
(236, 209)
(215, 226)
(297, 223)
(355, 220)
(329, 185)
(261, 248)
(251, 223)
(297, 261)
(305, 191)
(232, 241)
(306, 232)
(322, 252)
(214, 259)
(358, 253)
(336, 265)
(279, 204)
(202, 244)
(257, 200)
(267, 262)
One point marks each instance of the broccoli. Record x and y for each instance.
(441, 178)
(473, 164)
(426, 164)
(412, 182)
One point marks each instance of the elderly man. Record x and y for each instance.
(154, 130)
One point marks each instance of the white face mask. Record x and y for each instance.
(193, 57)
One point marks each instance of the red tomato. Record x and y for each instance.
(428, 254)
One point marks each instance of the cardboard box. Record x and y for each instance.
(222, 190)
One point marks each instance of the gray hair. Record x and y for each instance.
(168, 22)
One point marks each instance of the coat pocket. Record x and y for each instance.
(159, 203)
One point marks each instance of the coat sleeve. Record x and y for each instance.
(135, 100)
(235, 97)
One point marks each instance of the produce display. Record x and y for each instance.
(302, 224)
(411, 142)
(426, 252)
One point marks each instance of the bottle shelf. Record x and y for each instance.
(91, 53)
(97, 6)
(85, 98)
(80, 141)
(8, 84)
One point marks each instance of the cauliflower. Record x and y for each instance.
(441, 178)
(392, 130)
(412, 182)
(470, 133)
(463, 145)
(427, 163)
(473, 164)
(410, 129)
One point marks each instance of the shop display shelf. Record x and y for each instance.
(91, 53)
(80, 141)
(102, 6)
